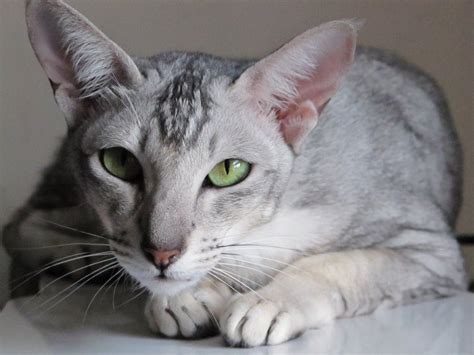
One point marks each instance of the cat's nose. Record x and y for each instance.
(161, 258)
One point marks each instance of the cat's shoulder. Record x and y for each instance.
(374, 57)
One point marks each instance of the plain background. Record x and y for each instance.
(436, 35)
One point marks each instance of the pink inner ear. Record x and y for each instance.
(301, 116)
(47, 43)
(58, 72)
(296, 123)
(322, 82)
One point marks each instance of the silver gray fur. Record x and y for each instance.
(382, 170)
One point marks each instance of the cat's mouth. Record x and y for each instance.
(169, 284)
(163, 276)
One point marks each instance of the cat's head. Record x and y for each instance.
(182, 154)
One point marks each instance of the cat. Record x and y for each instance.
(257, 199)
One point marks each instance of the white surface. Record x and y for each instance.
(442, 326)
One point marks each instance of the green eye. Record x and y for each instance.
(229, 172)
(120, 163)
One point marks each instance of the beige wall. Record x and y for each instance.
(436, 35)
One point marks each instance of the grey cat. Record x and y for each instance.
(260, 198)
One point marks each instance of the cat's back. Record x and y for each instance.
(409, 109)
(386, 131)
(386, 79)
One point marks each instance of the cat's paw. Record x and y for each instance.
(190, 314)
(253, 321)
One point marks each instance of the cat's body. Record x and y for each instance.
(359, 215)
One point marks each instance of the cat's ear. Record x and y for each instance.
(79, 60)
(296, 81)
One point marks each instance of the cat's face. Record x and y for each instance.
(181, 155)
(177, 141)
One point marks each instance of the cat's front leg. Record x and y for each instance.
(276, 313)
(190, 314)
(320, 288)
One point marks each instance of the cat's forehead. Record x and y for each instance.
(183, 93)
(172, 109)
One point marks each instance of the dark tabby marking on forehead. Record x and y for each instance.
(182, 107)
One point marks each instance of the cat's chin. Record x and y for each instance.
(168, 287)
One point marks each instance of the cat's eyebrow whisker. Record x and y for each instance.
(229, 275)
(87, 277)
(269, 259)
(131, 107)
(123, 94)
(212, 274)
(95, 295)
(30, 276)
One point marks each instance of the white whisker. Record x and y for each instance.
(64, 275)
(216, 321)
(270, 259)
(95, 295)
(258, 264)
(259, 246)
(271, 277)
(87, 255)
(73, 229)
(115, 288)
(87, 277)
(241, 276)
(211, 273)
(133, 298)
(61, 245)
(225, 273)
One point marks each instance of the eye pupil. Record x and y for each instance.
(123, 157)
(227, 166)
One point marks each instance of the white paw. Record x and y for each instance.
(252, 321)
(190, 314)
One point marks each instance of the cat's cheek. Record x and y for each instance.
(114, 200)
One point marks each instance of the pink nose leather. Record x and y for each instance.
(163, 257)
